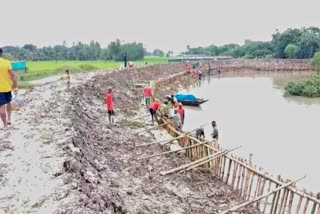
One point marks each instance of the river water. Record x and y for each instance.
(251, 110)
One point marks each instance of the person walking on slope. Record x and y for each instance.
(110, 104)
(215, 133)
(154, 107)
(147, 92)
(7, 78)
(181, 112)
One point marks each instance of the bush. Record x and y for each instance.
(308, 88)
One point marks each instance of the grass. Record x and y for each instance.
(42, 69)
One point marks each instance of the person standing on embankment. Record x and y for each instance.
(181, 112)
(147, 92)
(110, 104)
(7, 78)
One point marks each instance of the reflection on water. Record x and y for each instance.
(251, 110)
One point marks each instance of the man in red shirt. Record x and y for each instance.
(147, 92)
(181, 112)
(154, 107)
(187, 68)
(110, 103)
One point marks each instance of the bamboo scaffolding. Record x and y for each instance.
(235, 208)
(189, 164)
(169, 152)
(214, 156)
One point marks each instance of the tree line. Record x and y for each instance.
(115, 50)
(293, 43)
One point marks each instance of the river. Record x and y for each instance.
(281, 132)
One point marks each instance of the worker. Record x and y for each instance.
(147, 92)
(215, 133)
(164, 109)
(200, 133)
(125, 60)
(177, 120)
(154, 107)
(174, 101)
(209, 68)
(110, 104)
(199, 74)
(68, 78)
(181, 112)
(8, 83)
(187, 68)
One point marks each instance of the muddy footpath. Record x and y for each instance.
(63, 156)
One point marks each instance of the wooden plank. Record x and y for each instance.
(243, 179)
(234, 174)
(274, 199)
(229, 169)
(285, 201)
(263, 183)
(239, 177)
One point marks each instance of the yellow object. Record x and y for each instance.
(5, 78)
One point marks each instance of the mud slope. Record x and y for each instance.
(104, 171)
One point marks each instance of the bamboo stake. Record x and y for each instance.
(234, 174)
(243, 179)
(285, 201)
(306, 206)
(266, 201)
(274, 200)
(235, 208)
(315, 204)
(282, 201)
(159, 126)
(299, 205)
(169, 152)
(261, 190)
(228, 173)
(214, 156)
(223, 167)
(239, 177)
(290, 202)
(257, 186)
(250, 186)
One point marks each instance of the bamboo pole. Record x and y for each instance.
(306, 206)
(223, 167)
(285, 201)
(261, 190)
(290, 202)
(228, 172)
(169, 152)
(239, 177)
(266, 201)
(155, 127)
(273, 203)
(256, 192)
(299, 205)
(282, 205)
(243, 179)
(250, 186)
(190, 164)
(214, 156)
(235, 208)
(234, 174)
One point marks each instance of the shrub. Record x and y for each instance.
(308, 88)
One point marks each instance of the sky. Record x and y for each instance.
(163, 24)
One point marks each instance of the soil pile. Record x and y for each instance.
(103, 164)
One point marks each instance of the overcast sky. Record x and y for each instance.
(164, 24)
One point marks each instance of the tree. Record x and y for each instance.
(291, 51)
(158, 52)
(316, 61)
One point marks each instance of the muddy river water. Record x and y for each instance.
(251, 110)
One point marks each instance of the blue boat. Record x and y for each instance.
(187, 99)
(19, 66)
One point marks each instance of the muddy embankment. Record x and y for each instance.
(103, 164)
(263, 65)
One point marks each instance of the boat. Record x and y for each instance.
(188, 99)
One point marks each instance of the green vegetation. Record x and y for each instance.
(292, 43)
(41, 69)
(307, 88)
(291, 51)
(316, 61)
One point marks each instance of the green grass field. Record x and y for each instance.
(42, 69)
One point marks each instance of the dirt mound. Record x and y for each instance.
(104, 168)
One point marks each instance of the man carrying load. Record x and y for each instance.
(147, 92)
